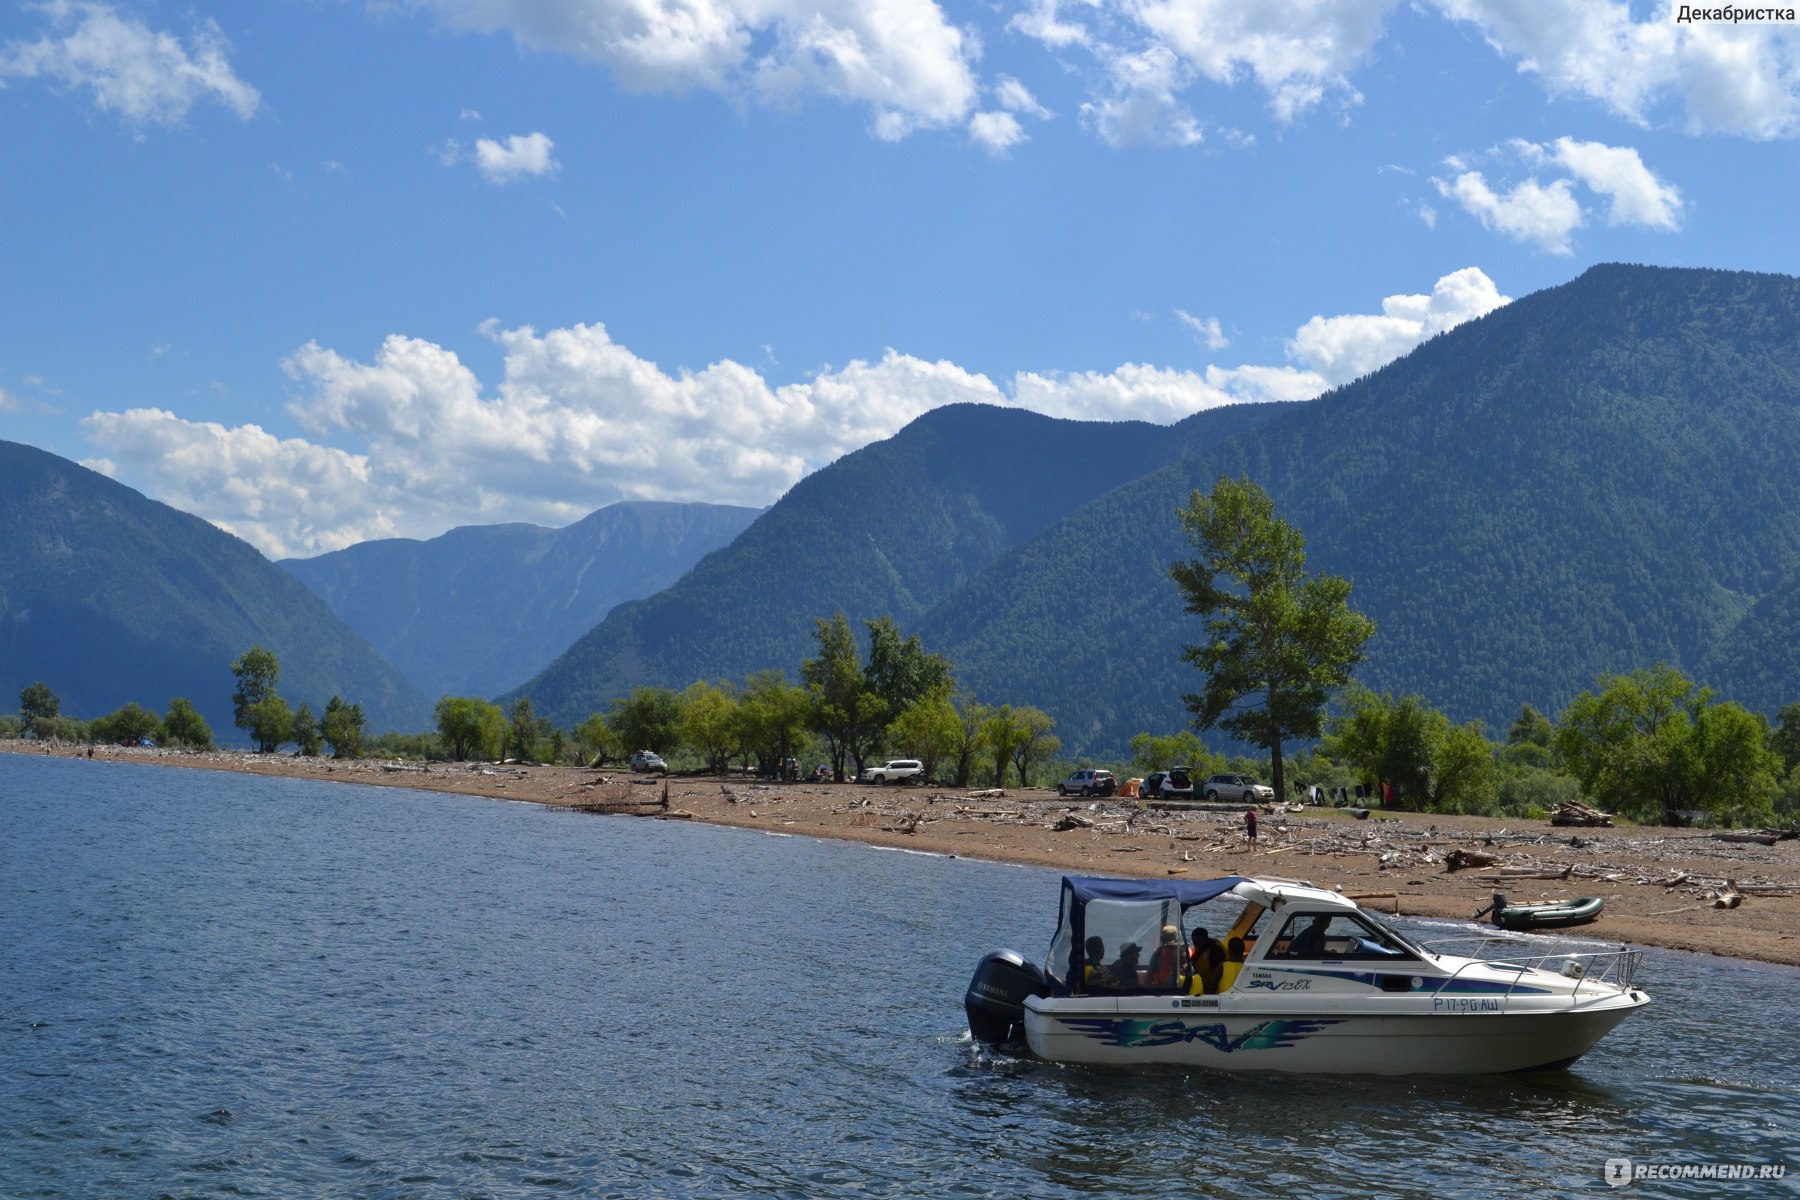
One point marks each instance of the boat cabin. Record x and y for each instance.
(1131, 936)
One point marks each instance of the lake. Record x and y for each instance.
(221, 985)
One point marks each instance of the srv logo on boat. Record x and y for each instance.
(1282, 985)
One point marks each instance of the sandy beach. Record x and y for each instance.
(1661, 886)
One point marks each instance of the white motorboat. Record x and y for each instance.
(1322, 986)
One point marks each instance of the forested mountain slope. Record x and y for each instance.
(110, 597)
(886, 531)
(1597, 477)
(482, 608)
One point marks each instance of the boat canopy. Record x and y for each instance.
(1121, 913)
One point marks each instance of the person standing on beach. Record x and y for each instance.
(1250, 825)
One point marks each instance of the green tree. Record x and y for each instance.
(596, 740)
(1652, 745)
(1001, 733)
(129, 724)
(1531, 727)
(710, 724)
(1036, 743)
(256, 671)
(929, 730)
(1278, 641)
(1413, 753)
(1784, 739)
(1154, 752)
(772, 718)
(37, 700)
(648, 719)
(343, 728)
(184, 726)
(899, 670)
(270, 722)
(306, 732)
(463, 722)
(524, 729)
(846, 711)
(971, 721)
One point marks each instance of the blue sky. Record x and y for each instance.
(326, 270)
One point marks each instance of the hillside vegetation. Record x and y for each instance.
(114, 598)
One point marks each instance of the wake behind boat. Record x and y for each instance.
(1309, 982)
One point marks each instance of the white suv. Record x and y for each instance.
(648, 760)
(898, 770)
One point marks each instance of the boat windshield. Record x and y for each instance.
(1338, 936)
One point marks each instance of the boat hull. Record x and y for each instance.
(1321, 1040)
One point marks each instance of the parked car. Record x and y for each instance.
(1089, 783)
(648, 760)
(1151, 788)
(896, 770)
(1238, 789)
(1178, 784)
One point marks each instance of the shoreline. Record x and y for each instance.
(1658, 883)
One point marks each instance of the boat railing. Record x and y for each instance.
(1612, 966)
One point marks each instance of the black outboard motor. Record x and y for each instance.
(995, 1000)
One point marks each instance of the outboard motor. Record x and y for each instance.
(995, 1000)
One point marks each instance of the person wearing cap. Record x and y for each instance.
(1167, 962)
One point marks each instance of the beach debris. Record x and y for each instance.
(1573, 812)
(1456, 860)
(1728, 896)
(1073, 821)
(986, 794)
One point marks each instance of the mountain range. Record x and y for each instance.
(108, 597)
(481, 608)
(1596, 477)
(1593, 478)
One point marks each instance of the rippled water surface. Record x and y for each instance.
(216, 985)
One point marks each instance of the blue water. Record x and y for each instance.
(217, 985)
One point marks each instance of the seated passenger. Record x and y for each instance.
(1206, 959)
(1167, 963)
(1096, 976)
(1234, 962)
(1310, 942)
(1125, 967)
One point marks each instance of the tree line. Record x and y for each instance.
(1279, 651)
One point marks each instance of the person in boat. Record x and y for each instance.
(1096, 976)
(1125, 967)
(1206, 960)
(1310, 942)
(1234, 962)
(1168, 965)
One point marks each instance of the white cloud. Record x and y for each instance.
(516, 158)
(1637, 196)
(1205, 330)
(997, 132)
(7, 403)
(1296, 50)
(577, 421)
(1530, 212)
(1340, 349)
(899, 57)
(1547, 215)
(1015, 97)
(1739, 79)
(1143, 104)
(1042, 21)
(146, 76)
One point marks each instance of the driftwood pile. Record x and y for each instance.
(1573, 812)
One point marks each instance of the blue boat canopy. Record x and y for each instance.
(1185, 892)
